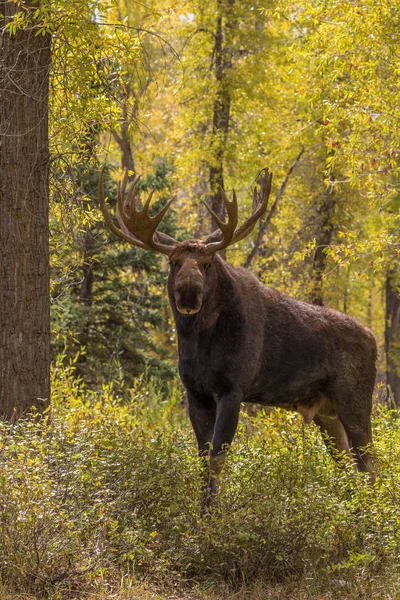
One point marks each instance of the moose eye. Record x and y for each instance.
(206, 267)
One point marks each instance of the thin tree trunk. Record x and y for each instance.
(129, 116)
(323, 240)
(122, 139)
(222, 105)
(86, 295)
(392, 337)
(24, 198)
(86, 291)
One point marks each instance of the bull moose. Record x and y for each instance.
(240, 341)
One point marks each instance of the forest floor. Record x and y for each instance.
(378, 589)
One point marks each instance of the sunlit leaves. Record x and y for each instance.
(110, 489)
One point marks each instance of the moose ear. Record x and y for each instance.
(165, 239)
(214, 237)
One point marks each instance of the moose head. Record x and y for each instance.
(191, 261)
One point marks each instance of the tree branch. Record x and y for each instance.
(116, 137)
(264, 223)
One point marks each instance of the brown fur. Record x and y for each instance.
(240, 341)
(245, 342)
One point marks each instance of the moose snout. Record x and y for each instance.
(188, 299)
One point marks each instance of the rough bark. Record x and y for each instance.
(392, 337)
(24, 254)
(323, 240)
(222, 105)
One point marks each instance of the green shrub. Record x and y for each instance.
(101, 487)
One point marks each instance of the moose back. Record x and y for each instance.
(240, 341)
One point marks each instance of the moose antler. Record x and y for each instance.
(229, 235)
(139, 229)
(227, 229)
(137, 226)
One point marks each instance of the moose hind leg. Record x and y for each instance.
(359, 432)
(328, 421)
(337, 436)
(354, 410)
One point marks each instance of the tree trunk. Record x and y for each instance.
(86, 291)
(392, 337)
(222, 106)
(86, 295)
(122, 139)
(323, 240)
(24, 199)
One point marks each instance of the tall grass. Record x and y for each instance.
(105, 490)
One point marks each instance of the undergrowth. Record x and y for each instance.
(103, 491)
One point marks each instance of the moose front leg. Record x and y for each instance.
(202, 413)
(227, 416)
